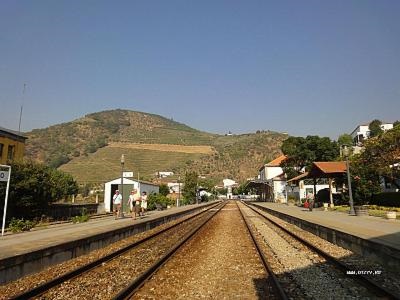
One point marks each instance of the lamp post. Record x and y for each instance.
(286, 189)
(346, 155)
(122, 185)
(179, 191)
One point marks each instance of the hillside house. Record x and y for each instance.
(163, 174)
(229, 184)
(12, 145)
(128, 185)
(362, 132)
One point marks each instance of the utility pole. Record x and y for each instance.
(22, 105)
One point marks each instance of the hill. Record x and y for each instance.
(90, 147)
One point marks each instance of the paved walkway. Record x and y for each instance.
(377, 229)
(26, 242)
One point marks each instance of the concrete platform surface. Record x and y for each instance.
(41, 238)
(379, 230)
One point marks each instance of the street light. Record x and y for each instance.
(286, 189)
(122, 185)
(346, 153)
(179, 191)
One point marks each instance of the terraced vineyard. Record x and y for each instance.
(104, 165)
(90, 147)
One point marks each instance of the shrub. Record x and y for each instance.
(84, 217)
(162, 200)
(164, 189)
(18, 225)
(386, 199)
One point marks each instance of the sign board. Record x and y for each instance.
(127, 174)
(3, 175)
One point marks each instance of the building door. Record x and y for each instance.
(114, 187)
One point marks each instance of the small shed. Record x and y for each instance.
(127, 187)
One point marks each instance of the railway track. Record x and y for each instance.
(360, 285)
(221, 261)
(139, 254)
(273, 280)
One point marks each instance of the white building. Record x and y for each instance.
(362, 132)
(164, 174)
(128, 186)
(273, 174)
(306, 186)
(229, 184)
(175, 187)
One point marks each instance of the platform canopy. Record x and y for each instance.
(323, 169)
(263, 188)
(327, 169)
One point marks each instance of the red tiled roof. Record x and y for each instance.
(298, 177)
(328, 167)
(277, 161)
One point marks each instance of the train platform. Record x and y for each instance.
(376, 229)
(23, 253)
(373, 237)
(367, 227)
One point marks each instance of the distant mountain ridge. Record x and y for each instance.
(96, 138)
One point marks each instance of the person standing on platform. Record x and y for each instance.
(131, 203)
(310, 199)
(117, 199)
(138, 200)
(144, 203)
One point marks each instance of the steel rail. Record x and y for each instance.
(275, 282)
(46, 286)
(138, 282)
(365, 281)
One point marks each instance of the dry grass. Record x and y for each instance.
(165, 148)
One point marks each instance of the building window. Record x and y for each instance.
(1, 150)
(10, 153)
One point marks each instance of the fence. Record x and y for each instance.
(64, 211)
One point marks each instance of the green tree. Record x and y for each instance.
(375, 128)
(396, 123)
(241, 189)
(190, 187)
(375, 162)
(302, 152)
(33, 187)
(365, 180)
(345, 139)
(164, 189)
(58, 160)
(208, 184)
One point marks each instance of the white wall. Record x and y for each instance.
(279, 191)
(228, 182)
(387, 126)
(272, 172)
(174, 187)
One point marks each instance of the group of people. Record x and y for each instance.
(137, 203)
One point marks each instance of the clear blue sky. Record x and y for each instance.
(303, 67)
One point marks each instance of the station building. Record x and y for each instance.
(125, 189)
(12, 145)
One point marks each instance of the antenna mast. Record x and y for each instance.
(22, 105)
